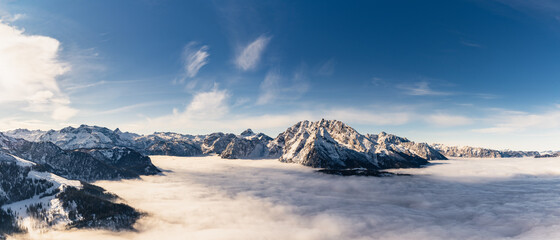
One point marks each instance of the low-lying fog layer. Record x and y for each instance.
(213, 198)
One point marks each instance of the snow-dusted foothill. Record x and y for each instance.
(33, 200)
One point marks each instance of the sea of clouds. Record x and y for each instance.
(213, 198)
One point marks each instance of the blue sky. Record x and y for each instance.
(482, 73)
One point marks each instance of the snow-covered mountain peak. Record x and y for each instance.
(338, 131)
(386, 138)
(87, 136)
(333, 144)
(247, 133)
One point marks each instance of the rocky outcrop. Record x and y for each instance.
(172, 144)
(248, 145)
(216, 142)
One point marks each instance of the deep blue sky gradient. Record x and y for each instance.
(478, 59)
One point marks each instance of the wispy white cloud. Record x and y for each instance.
(250, 56)
(62, 113)
(269, 88)
(131, 107)
(195, 58)
(368, 116)
(83, 86)
(539, 7)
(10, 18)
(202, 114)
(515, 121)
(470, 44)
(29, 68)
(209, 112)
(15, 122)
(275, 87)
(208, 105)
(447, 120)
(421, 89)
(327, 68)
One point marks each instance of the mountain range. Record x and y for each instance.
(322, 144)
(44, 174)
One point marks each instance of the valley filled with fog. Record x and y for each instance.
(214, 198)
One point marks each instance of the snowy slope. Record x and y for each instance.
(37, 201)
(87, 137)
(29, 135)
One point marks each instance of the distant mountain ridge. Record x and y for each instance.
(478, 152)
(324, 144)
(368, 151)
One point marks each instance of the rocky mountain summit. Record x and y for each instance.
(334, 145)
(71, 138)
(477, 152)
(248, 145)
(167, 143)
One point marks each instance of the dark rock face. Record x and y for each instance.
(16, 185)
(92, 207)
(173, 148)
(321, 156)
(216, 142)
(360, 172)
(252, 146)
(8, 224)
(548, 155)
(71, 165)
(125, 159)
(247, 133)
(172, 144)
